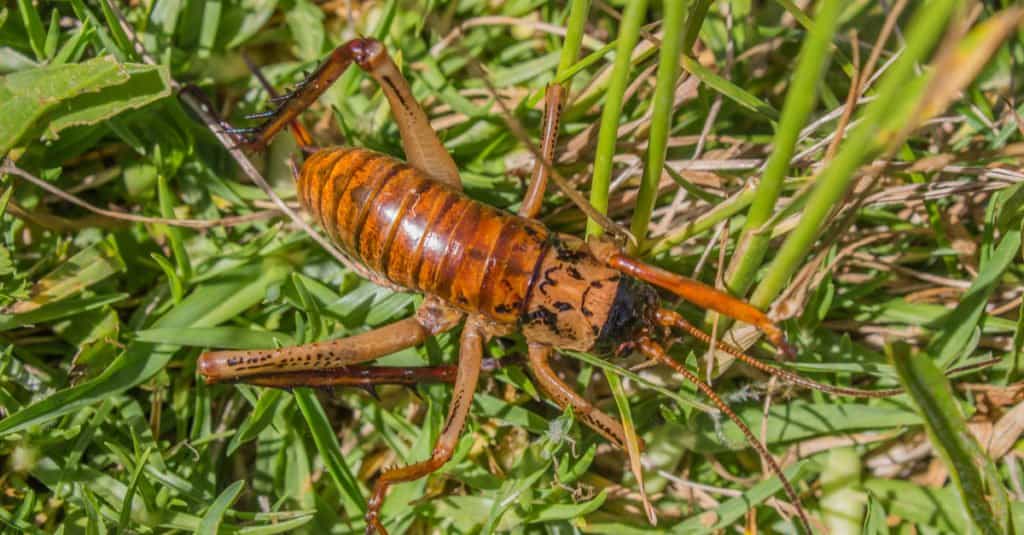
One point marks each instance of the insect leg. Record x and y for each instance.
(704, 296)
(656, 352)
(299, 132)
(423, 149)
(534, 197)
(310, 89)
(564, 396)
(363, 376)
(218, 366)
(368, 376)
(470, 358)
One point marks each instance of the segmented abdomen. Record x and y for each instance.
(422, 234)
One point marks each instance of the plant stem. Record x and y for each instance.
(629, 31)
(800, 101)
(578, 11)
(924, 30)
(661, 118)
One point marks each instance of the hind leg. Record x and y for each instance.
(470, 358)
(221, 366)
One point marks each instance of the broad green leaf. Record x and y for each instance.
(47, 100)
(978, 483)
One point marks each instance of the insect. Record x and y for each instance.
(409, 226)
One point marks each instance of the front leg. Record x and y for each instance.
(470, 358)
(565, 396)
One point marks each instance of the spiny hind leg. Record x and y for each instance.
(430, 319)
(423, 149)
(534, 197)
(367, 377)
(221, 366)
(470, 358)
(565, 396)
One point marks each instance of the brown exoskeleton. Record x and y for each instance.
(410, 226)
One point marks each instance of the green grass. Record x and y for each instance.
(131, 241)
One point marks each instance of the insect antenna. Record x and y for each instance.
(669, 318)
(656, 352)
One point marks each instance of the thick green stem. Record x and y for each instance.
(833, 182)
(578, 11)
(661, 117)
(800, 101)
(629, 31)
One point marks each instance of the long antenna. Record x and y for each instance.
(656, 352)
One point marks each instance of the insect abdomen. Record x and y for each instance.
(421, 234)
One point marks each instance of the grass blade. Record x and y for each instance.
(661, 118)
(958, 326)
(976, 479)
(327, 444)
(629, 32)
(800, 101)
(632, 442)
(729, 90)
(924, 31)
(210, 523)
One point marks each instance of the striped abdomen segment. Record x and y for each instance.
(421, 234)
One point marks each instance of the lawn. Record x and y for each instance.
(853, 168)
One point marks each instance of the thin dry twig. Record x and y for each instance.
(538, 26)
(10, 168)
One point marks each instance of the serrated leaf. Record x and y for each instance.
(56, 97)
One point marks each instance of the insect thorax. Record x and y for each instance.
(576, 302)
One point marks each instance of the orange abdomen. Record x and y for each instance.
(422, 234)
